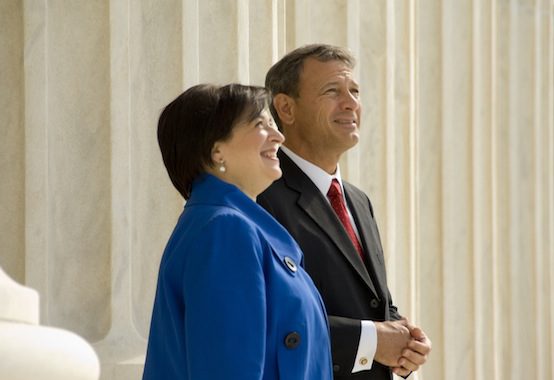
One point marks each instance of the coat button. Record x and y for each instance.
(292, 340)
(336, 368)
(374, 303)
(290, 264)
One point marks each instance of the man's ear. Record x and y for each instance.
(285, 107)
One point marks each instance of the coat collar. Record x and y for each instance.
(316, 206)
(208, 190)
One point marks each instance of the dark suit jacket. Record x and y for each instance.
(351, 290)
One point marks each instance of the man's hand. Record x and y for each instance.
(415, 354)
(393, 338)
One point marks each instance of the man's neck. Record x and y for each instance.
(324, 160)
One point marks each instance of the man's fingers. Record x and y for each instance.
(408, 364)
(416, 332)
(412, 357)
(422, 347)
(399, 371)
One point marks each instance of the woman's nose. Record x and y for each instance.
(277, 136)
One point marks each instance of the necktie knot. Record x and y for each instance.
(334, 189)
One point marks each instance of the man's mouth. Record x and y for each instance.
(346, 122)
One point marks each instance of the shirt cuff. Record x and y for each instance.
(366, 347)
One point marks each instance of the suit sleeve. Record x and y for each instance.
(225, 301)
(345, 335)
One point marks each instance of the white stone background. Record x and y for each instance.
(457, 154)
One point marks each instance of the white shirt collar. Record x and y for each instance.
(319, 177)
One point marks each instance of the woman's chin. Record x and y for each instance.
(276, 173)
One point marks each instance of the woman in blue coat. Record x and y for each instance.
(233, 301)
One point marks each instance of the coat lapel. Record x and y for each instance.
(359, 206)
(311, 201)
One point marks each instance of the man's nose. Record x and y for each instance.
(350, 101)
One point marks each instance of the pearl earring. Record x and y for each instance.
(222, 167)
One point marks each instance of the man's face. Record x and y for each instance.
(327, 111)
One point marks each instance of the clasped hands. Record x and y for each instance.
(401, 346)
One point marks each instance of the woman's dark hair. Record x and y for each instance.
(191, 124)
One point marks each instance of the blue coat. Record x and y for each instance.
(233, 301)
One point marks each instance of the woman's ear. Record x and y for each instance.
(217, 166)
(284, 105)
(217, 155)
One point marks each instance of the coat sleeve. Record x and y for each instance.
(225, 302)
(345, 335)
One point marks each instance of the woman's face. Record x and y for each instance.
(250, 155)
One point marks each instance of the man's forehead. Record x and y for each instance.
(342, 75)
(339, 77)
(327, 71)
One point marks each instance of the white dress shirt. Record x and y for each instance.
(368, 336)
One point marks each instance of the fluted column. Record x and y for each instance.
(145, 71)
(12, 154)
(429, 190)
(67, 159)
(484, 260)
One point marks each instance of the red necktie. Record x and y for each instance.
(337, 202)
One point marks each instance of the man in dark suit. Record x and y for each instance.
(316, 105)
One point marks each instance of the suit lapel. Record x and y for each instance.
(368, 234)
(312, 202)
